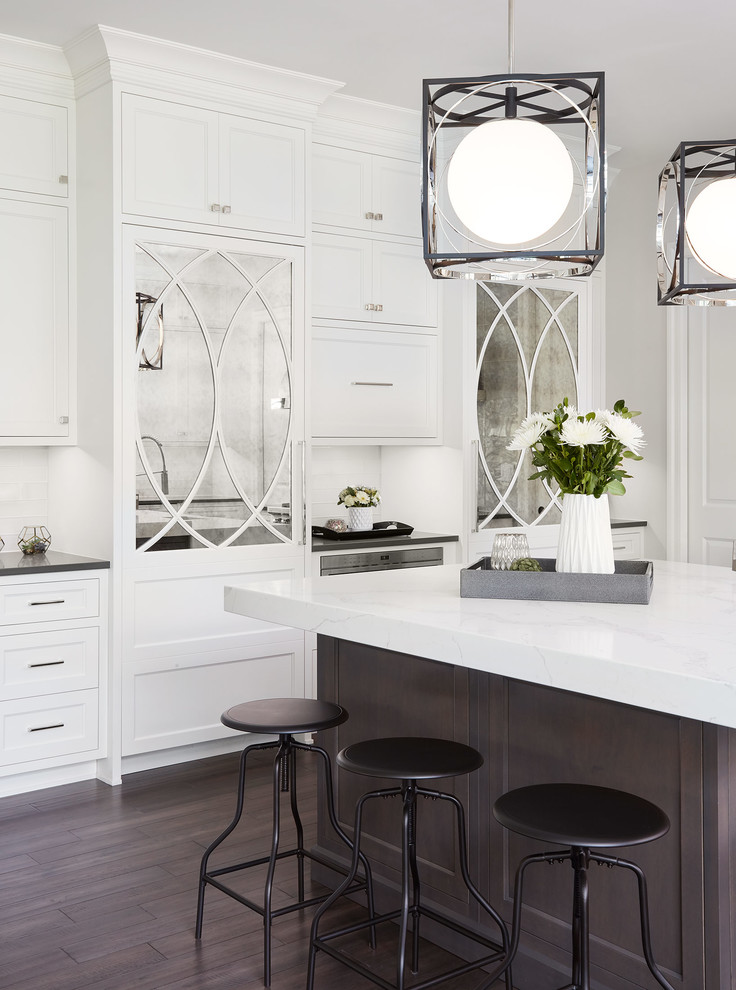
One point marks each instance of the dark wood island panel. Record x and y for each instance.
(530, 733)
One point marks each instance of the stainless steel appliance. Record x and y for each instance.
(380, 560)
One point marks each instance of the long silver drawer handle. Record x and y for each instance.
(42, 728)
(55, 601)
(382, 384)
(47, 663)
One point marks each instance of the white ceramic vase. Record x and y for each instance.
(586, 543)
(360, 517)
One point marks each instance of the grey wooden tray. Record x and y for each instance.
(631, 584)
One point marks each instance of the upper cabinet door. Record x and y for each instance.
(185, 163)
(34, 285)
(397, 194)
(341, 187)
(33, 150)
(261, 175)
(169, 160)
(365, 192)
(342, 277)
(402, 285)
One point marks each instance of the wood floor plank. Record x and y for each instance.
(98, 886)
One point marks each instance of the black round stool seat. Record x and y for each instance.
(284, 716)
(581, 815)
(409, 758)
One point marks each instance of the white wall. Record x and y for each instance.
(334, 468)
(23, 491)
(636, 346)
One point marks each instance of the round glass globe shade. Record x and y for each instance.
(711, 227)
(509, 181)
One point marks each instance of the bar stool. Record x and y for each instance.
(581, 816)
(283, 717)
(408, 759)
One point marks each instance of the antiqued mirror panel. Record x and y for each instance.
(527, 360)
(214, 397)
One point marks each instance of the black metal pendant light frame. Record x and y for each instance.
(571, 105)
(682, 278)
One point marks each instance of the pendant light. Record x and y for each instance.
(513, 174)
(696, 226)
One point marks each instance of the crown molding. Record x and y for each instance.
(105, 54)
(33, 67)
(365, 125)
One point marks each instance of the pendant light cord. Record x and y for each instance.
(511, 37)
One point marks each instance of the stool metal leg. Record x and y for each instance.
(224, 834)
(646, 941)
(503, 969)
(463, 857)
(288, 783)
(416, 889)
(330, 794)
(408, 866)
(580, 920)
(314, 940)
(280, 777)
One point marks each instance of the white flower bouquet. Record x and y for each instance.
(359, 496)
(582, 452)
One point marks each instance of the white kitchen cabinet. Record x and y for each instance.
(33, 151)
(361, 279)
(628, 544)
(53, 649)
(365, 192)
(374, 384)
(186, 163)
(34, 286)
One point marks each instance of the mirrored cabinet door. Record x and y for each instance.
(530, 342)
(215, 393)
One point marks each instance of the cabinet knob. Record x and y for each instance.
(378, 216)
(64, 180)
(216, 208)
(378, 308)
(370, 216)
(63, 420)
(370, 306)
(227, 209)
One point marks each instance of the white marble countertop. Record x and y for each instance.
(677, 654)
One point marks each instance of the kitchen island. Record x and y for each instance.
(640, 697)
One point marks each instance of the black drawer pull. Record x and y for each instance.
(42, 728)
(46, 663)
(56, 601)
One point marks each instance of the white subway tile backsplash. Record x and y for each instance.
(23, 491)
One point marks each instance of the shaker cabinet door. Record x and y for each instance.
(342, 277)
(200, 166)
(363, 192)
(261, 175)
(169, 160)
(33, 150)
(356, 278)
(403, 285)
(341, 187)
(397, 195)
(34, 287)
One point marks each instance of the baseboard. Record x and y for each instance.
(186, 754)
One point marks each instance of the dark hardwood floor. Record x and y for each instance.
(98, 888)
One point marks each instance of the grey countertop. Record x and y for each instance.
(43, 563)
(320, 543)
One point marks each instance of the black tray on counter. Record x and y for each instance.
(379, 529)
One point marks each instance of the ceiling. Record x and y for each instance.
(668, 63)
